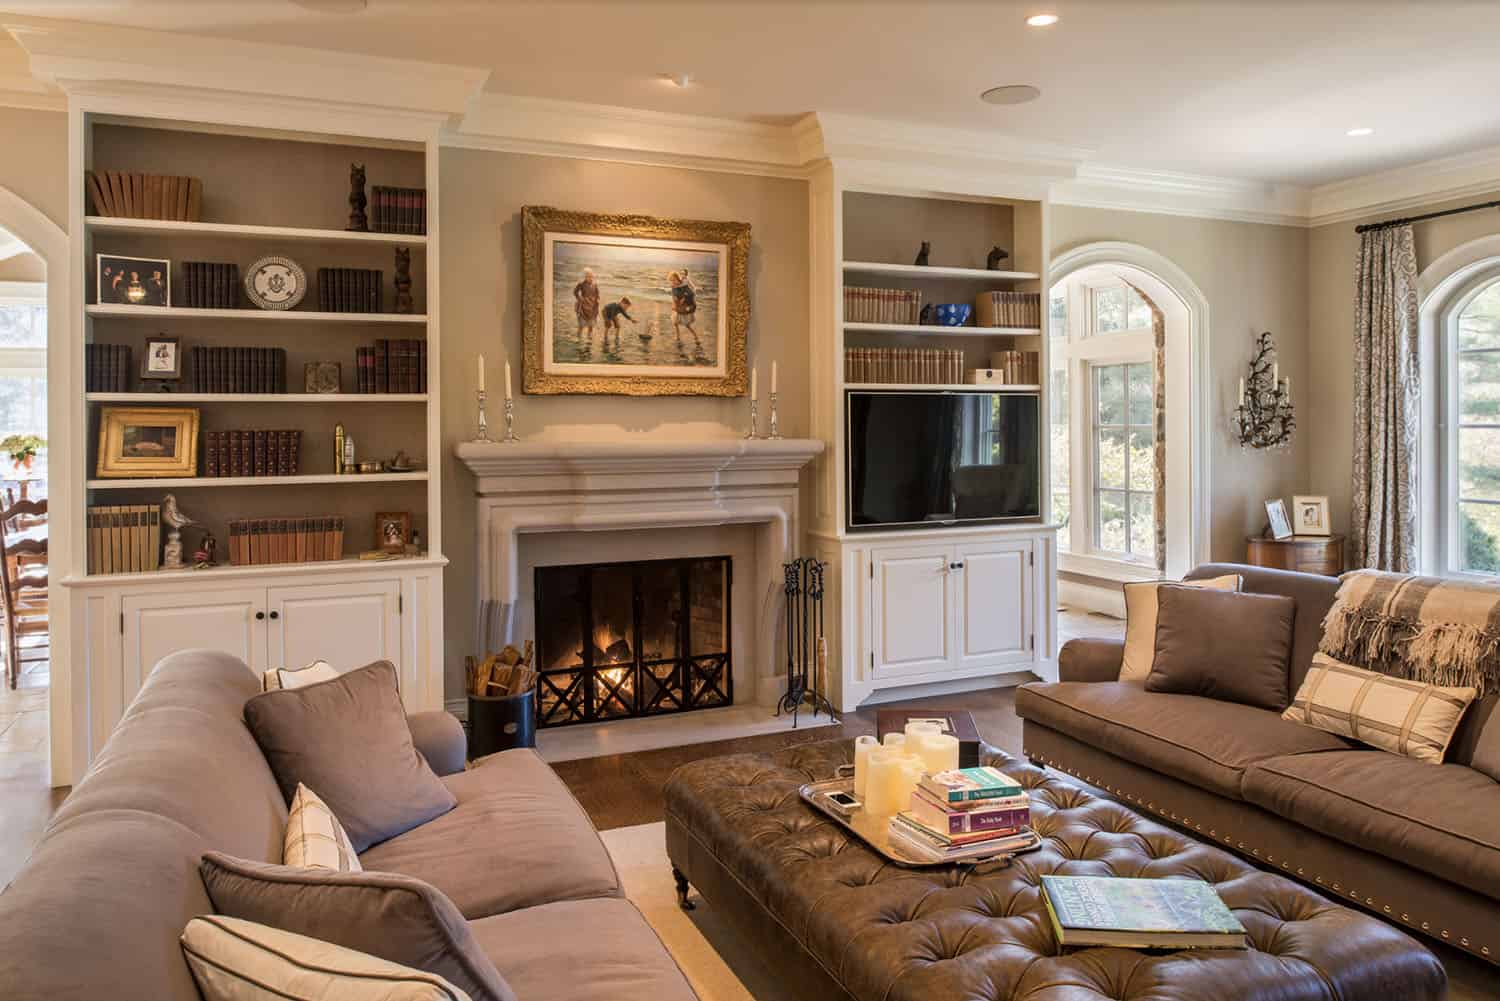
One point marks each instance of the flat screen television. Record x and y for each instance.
(920, 459)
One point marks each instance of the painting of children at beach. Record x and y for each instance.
(633, 305)
(642, 305)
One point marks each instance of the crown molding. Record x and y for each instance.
(1131, 189)
(834, 136)
(1414, 186)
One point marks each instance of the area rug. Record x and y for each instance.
(718, 967)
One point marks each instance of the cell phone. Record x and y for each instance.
(844, 803)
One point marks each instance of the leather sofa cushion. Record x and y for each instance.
(1202, 741)
(582, 950)
(517, 838)
(1441, 819)
(1242, 658)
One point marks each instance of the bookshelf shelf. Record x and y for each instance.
(158, 313)
(935, 330)
(170, 398)
(928, 271)
(181, 482)
(944, 387)
(223, 570)
(119, 224)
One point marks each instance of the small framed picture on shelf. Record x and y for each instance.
(132, 281)
(147, 442)
(1281, 525)
(162, 359)
(322, 377)
(392, 531)
(1310, 515)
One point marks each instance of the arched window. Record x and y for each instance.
(1470, 440)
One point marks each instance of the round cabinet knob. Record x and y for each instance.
(275, 615)
(260, 615)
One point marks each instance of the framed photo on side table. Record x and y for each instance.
(147, 442)
(162, 359)
(1281, 525)
(1310, 516)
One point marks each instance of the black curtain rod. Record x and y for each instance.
(1421, 218)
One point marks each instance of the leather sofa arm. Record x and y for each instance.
(440, 739)
(1090, 660)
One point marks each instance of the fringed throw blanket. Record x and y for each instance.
(1429, 629)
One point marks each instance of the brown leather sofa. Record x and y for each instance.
(1416, 843)
(98, 908)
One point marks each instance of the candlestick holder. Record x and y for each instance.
(510, 423)
(775, 420)
(484, 421)
(754, 431)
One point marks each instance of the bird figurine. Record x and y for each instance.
(922, 254)
(996, 256)
(171, 557)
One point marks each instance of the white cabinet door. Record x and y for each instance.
(348, 624)
(159, 624)
(912, 611)
(994, 620)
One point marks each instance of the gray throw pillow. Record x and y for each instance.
(383, 914)
(1226, 645)
(348, 739)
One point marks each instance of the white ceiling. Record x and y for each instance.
(1261, 91)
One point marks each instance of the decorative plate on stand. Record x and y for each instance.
(275, 283)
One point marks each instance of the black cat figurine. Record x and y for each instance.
(996, 256)
(358, 222)
(925, 317)
(921, 260)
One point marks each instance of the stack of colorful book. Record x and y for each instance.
(964, 813)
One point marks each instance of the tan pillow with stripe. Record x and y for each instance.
(314, 837)
(1392, 714)
(237, 960)
(1141, 605)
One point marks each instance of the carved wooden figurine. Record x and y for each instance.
(358, 223)
(921, 260)
(403, 280)
(996, 256)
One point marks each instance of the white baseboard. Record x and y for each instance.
(1105, 599)
(908, 692)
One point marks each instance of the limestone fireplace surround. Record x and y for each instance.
(636, 486)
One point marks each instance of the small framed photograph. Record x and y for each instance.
(147, 442)
(162, 359)
(132, 281)
(1281, 525)
(1310, 516)
(392, 531)
(322, 377)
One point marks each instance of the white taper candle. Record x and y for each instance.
(481, 373)
(507, 380)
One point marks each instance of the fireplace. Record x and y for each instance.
(622, 640)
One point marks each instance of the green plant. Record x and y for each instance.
(22, 447)
(1480, 551)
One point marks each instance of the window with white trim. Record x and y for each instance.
(1472, 445)
(23, 368)
(1102, 438)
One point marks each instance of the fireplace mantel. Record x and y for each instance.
(630, 484)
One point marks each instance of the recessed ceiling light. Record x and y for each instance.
(1042, 20)
(679, 80)
(334, 6)
(1015, 93)
(1361, 131)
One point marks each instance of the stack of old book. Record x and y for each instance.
(964, 813)
(145, 196)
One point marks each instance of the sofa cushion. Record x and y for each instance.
(348, 739)
(515, 804)
(1201, 741)
(1441, 819)
(1243, 658)
(582, 950)
(1141, 608)
(314, 837)
(386, 915)
(1313, 594)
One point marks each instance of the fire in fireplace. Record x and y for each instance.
(617, 640)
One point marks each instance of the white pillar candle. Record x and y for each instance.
(862, 748)
(481, 373)
(754, 393)
(773, 377)
(895, 740)
(883, 781)
(507, 380)
(915, 731)
(938, 751)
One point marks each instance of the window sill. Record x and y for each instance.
(1104, 568)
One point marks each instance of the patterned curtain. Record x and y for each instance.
(1384, 520)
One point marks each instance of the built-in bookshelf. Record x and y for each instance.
(268, 193)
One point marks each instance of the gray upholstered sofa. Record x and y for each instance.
(1414, 842)
(98, 908)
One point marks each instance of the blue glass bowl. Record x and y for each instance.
(953, 314)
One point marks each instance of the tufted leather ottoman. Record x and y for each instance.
(840, 922)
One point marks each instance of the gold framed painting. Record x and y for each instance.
(632, 305)
(147, 442)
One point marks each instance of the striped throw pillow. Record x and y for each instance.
(314, 837)
(237, 960)
(1392, 714)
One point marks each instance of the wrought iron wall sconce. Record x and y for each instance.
(1263, 415)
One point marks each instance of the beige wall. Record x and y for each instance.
(482, 196)
(1255, 278)
(23, 268)
(34, 163)
(1330, 318)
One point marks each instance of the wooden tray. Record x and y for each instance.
(874, 830)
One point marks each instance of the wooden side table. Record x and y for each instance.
(1322, 554)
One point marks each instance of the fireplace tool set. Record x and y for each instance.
(806, 646)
